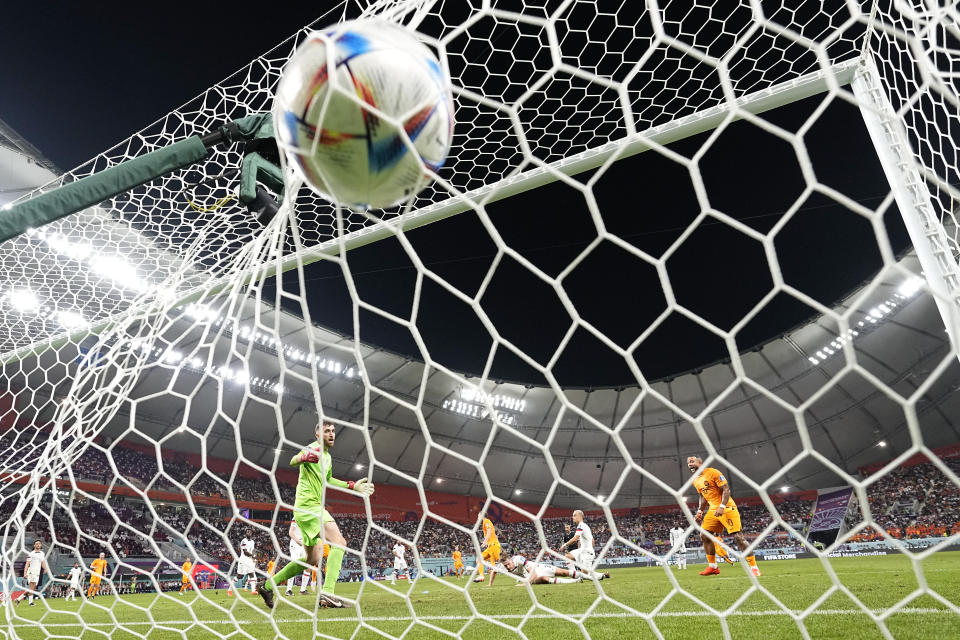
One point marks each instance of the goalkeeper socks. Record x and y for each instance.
(334, 560)
(289, 571)
(712, 561)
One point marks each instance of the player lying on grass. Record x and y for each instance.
(721, 514)
(540, 572)
(313, 520)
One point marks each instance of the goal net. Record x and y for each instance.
(165, 354)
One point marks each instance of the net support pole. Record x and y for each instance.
(927, 234)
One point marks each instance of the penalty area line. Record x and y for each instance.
(539, 616)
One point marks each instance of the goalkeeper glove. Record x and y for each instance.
(308, 455)
(363, 486)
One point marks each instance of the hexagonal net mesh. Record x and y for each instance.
(162, 363)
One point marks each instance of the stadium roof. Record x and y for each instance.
(190, 394)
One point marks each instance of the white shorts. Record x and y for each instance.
(33, 576)
(583, 558)
(245, 565)
(399, 565)
(543, 570)
(297, 551)
(75, 585)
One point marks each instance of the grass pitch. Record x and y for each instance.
(681, 611)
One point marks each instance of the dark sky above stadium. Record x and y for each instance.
(76, 78)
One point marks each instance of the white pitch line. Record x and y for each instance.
(354, 619)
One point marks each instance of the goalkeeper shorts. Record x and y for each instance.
(311, 524)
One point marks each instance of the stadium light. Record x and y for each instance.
(906, 290)
(910, 286)
(601, 498)
(23, 300)
(882, 443)
(518, 492)
(359, 466)
(71, 320)
(784, 489)
(439, 480)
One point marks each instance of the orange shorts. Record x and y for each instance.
(94, 579)
(492, 553)
(457, 565)
(730, 520)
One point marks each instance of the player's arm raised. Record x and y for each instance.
(571, 541)
(307, 455)
(362, 485)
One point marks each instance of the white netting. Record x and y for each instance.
(158, 374)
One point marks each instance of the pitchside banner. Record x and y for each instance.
(830, 510)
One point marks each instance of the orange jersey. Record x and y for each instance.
(457, 556)
(98, 567)
(186, 567)
(270, 568)
(710, 484)
(489, 533)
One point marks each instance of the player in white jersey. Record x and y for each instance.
(540, 572)
(678, 541)
(584, 556)
(297, 552)
(399, 562)
(75, 575)
(36, 560)
(246, 564)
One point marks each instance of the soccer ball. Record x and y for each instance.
(362, 135)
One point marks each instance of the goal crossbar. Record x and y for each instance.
(778, 95)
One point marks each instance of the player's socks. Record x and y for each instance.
(334, 560)
(711, 561)
(564, 580)
(289, 571)
(752, 561)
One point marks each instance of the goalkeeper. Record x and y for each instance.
(313, 520)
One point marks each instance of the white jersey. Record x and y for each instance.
(586, 537)
(35, 558)
(74, 576)
(527, 568)
(245, 564)
(296, 550)
(399, 562)
(678, 535)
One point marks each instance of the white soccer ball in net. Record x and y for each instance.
(364, 135)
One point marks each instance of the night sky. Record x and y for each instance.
(78, 78)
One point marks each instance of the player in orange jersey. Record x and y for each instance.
(270, 566)
(721, 514)
(98, 568)
(490, 553)
(457, 561)
(187, 565)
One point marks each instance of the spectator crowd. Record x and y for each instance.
(908, 502)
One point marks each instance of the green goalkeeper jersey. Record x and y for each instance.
(310, 482)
